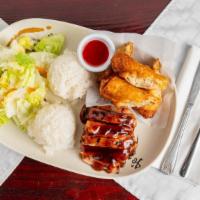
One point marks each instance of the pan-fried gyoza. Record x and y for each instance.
(133, 84)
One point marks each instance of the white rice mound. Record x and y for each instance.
(67, 78)
(53, 128)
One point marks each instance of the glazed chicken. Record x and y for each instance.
(108, 138)
(108, 114)
(133, 84)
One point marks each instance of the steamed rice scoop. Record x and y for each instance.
(67, 79)
(53, 128)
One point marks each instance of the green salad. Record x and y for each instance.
(23, 70)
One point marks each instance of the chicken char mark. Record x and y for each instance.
(115, 143)
(99, 129)
(108, 115)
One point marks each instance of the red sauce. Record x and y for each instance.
(95, 53)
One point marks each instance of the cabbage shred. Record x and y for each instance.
(22, 88)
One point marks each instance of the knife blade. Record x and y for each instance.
(187, 162)
(195, 87)
(169, 162)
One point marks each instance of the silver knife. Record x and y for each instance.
(186, 164)
(169, 162)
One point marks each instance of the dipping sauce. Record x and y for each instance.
(95, 53)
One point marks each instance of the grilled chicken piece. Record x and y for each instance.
(102, 163)
(108, 139)
(103, 159)
(106, 159)
(108, 114)
(99, 129)
(114, 143)
(117, 154)
(123, 94)
(138, 74)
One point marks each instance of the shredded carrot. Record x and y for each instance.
(30, 89)
(42, 71)
(9, 90)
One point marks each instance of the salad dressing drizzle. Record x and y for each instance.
(26, 30)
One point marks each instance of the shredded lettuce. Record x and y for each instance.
(27, 107)
(24, 60)
(22, 87)
(19, 124)
(43, 59)
(19, 73)
(21, 105)
(16, 47)
(7, 54)
(36, 97)
(26, 42)
(3, 118)
(52, 44)
(23, 110)
(10, 101)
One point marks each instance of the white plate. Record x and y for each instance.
(151, 140)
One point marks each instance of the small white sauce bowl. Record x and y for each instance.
(96, 36)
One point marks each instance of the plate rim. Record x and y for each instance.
(170, 132)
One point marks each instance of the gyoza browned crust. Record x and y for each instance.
(126, 48)
(156, 66)
(148, 111)
(123, 94)
(138, 74)
(120, 110)
(105, 74)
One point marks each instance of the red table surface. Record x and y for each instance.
(33, 180)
